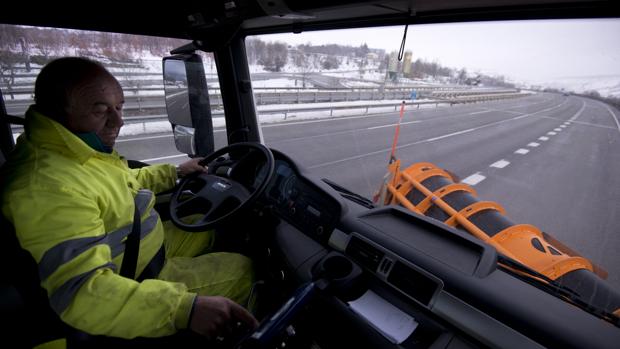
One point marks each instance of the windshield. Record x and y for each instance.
(523, 112)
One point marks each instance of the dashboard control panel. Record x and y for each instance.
(302, 203)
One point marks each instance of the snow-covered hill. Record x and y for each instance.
(605, 85)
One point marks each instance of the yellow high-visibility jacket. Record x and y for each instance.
(72, 207)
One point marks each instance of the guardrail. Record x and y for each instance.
(142, 103)
(288, 111)
(458, 93)
(331, 108)
(145, 85)
(366, 107)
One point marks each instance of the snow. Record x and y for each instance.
(354, 84)
(279, 82)
(268, 114)
(605, 85)
(255, 68)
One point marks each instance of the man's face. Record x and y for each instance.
(96, 105)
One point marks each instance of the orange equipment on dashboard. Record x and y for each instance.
(425, 189)
(428, 190)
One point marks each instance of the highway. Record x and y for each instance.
(550, 160)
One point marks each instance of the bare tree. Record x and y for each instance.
(361, 65)
(302, 61)
(462, 76)
(8, 62)
(274, 57)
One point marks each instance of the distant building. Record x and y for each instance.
(371, 56)
(407, 63)
(393, 62)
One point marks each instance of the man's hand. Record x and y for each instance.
(190, 166)
(218, 317)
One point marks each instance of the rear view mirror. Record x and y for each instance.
(187, 104)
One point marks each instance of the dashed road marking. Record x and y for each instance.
(403, 146)
(563, 126)
(392, 125)
(142, 138)
(557, 129)
(500, 164)
(479, 112)
(450, 135)
(522, 151)
(594, 125)
(474, 179)
(543, 138)
(551, 133)
(164, 157)
(533, 144)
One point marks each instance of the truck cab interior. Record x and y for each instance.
(338, 270)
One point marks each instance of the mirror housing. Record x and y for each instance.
(187, 104)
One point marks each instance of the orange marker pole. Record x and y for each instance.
(397, 132)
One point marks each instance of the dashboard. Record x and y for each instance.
(445, 280)
(301, 202)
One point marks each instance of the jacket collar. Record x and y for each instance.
(50, 134)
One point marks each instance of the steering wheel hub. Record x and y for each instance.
(203, 201)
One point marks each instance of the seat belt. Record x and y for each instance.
(132, 248)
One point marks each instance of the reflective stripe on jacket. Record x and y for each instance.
(72, 207)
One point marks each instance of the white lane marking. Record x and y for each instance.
(551, 133)
(614, 116)
(522, 151)
(381, 114)
(500, 164)
(578, 114)
(392, 125)
(288, 140)
(479, 112)
(323, 120)
(141, 138)
(450, 134)
(164, 157)
(355, 157)
(568, 123)
(557, 129)
(474, 179)
(506, 111)
(533, 144)
(593, 125)
(543, 138)
(155, 137)
(347, 131)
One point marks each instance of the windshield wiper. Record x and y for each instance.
(346, 193)
(543, 282)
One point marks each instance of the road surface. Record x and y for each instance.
(550, 160)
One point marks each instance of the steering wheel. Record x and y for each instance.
(215, 197)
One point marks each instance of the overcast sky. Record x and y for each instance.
(525, 51)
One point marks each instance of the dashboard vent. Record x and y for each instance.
(364, 253)
(413, 283)
(386, 264)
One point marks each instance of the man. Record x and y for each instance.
(72, 199)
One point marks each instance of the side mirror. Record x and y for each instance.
(187, 104)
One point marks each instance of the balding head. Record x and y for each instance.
(58, 79)
(81, 95)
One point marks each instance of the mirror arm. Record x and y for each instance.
(185, 49)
